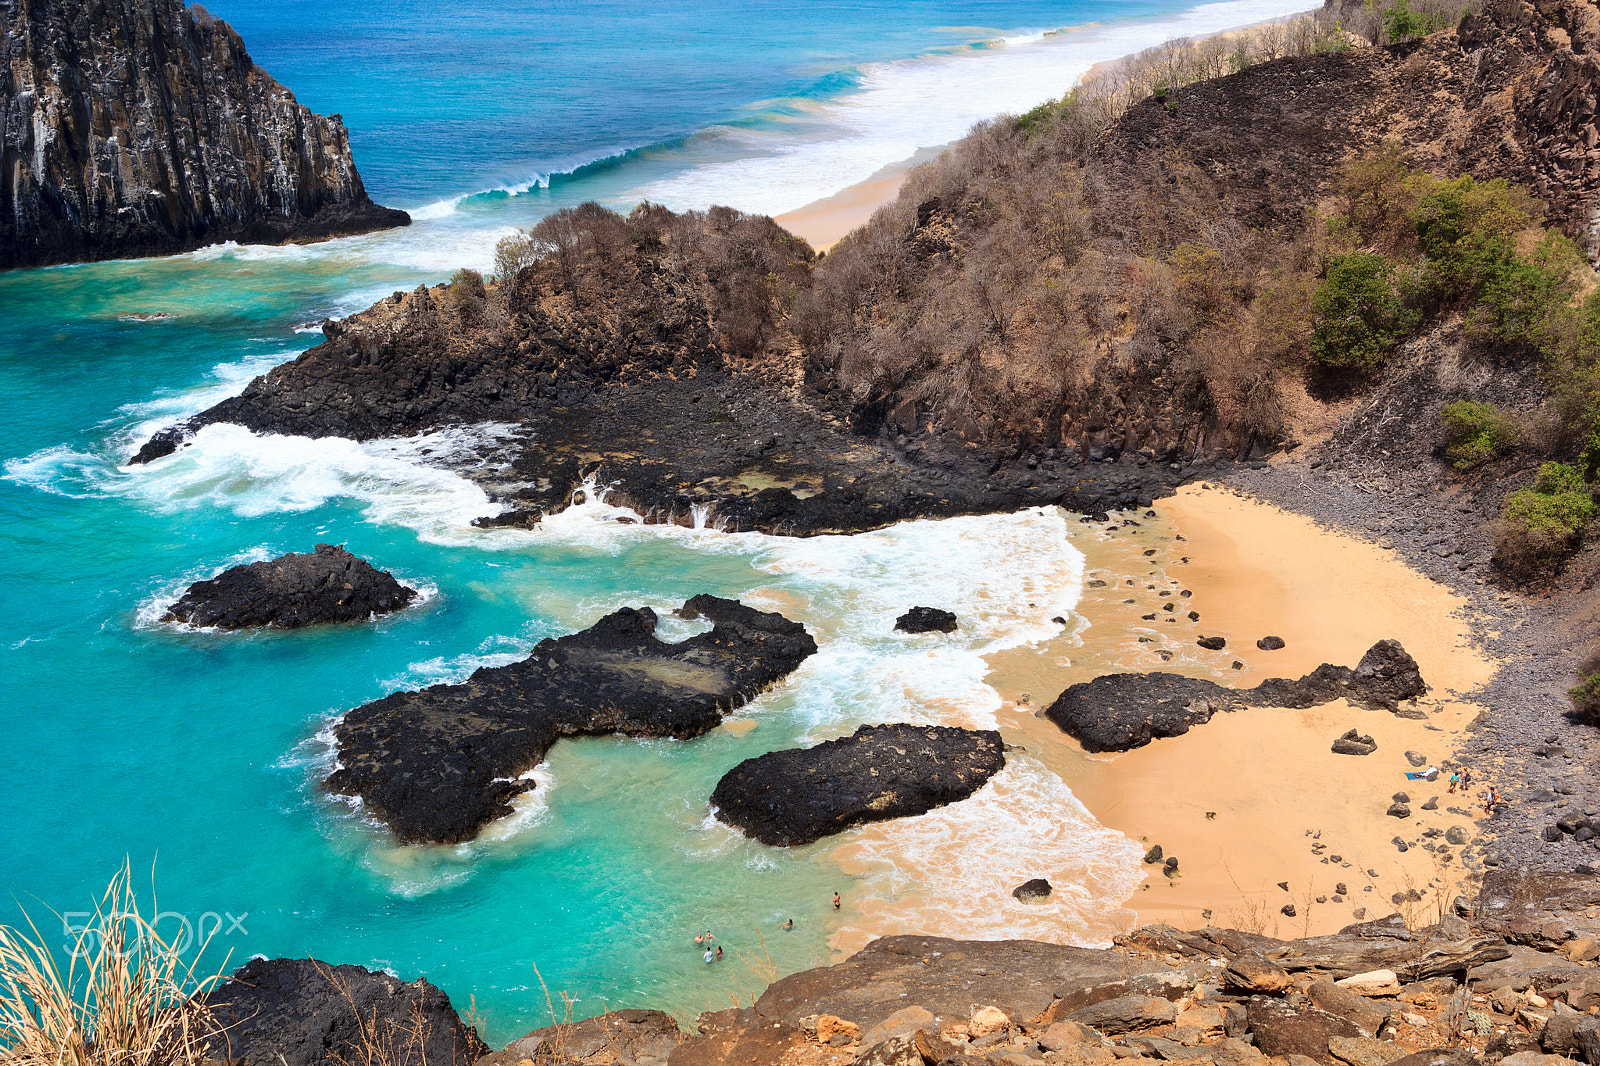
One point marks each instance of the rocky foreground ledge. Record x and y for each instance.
(1508, 978)
(793, 797)
(1118, 712)
(439, 764)
(325, 585)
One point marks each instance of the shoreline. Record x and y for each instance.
(1257, 797)
(826, 221)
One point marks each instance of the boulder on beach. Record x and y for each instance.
(1212, 643)
(301, 1012)
(326, 585)
(1270, 644)
(792, 797)
(1353, 743)
(926, 620)
(438, 764)
(1116, 712)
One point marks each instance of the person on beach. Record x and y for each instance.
(1455, 780)
(836, 901)
(1466, 780)
(788, 924)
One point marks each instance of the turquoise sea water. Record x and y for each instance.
(198, 753)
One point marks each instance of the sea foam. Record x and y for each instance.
(923, 102)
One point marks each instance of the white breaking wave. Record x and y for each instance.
(953, 869)
(1004, 576)
(921, 103)
(230, 468)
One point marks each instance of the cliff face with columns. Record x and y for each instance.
(141, 127)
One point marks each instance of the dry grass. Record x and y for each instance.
(124, 998)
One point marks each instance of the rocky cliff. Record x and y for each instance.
(140, 127)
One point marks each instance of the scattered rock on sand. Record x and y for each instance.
(325, 585)
(1353, 743)
(1154, 854)
(926, 620)
(1416, 758)
(792, 797)
(1038, 888)
(1398, 810)
(1432, 804)
(1212, 643)
(1271, 644)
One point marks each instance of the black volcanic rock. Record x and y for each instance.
(438, 764)
(1116, 712)
(1271, 644)
(327, 585)
(1037, 888)
(926, 620)
(142, 127)
(301, 1012)
(648, 366)
(792, 797)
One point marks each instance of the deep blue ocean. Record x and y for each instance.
(195, 755)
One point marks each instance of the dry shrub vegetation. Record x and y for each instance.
(125, 996)
(1021, 293)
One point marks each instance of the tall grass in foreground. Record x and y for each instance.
(124, 998)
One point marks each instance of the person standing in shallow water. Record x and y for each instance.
(836, 901)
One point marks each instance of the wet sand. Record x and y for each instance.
(1256, 797)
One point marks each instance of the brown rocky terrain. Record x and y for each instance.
(1509, 977)
(142, 127)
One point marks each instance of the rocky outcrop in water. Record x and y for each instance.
(1116, 712)
(652, 360)
(926, 620)
(438, 764)
(325, 585)
(141, 127)
(301, 1012)
(793, 797)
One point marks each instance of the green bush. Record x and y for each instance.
(1519, 296)
(1538, 525)
(1476, 432)
(1586, 697)
(1360, 319)
(1465, 230)
(466, 292)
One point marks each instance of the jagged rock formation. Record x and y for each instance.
(301, 1012)
(141, 127)
(438, 764)
(793, 797)
(1117, 712)
(325, 585)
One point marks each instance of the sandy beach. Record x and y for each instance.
(1256, 797)
(824, 222)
